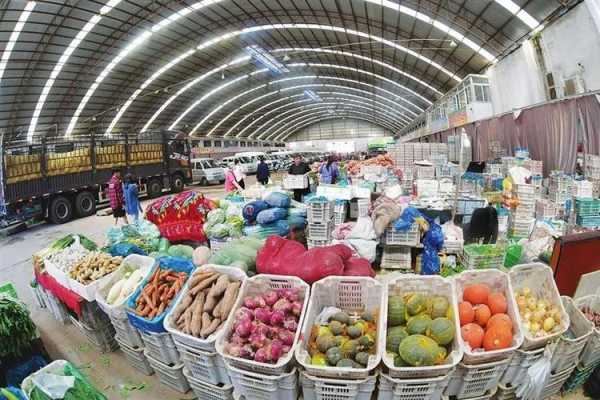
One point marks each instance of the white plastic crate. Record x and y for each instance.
(428, 285)
(427, 187)
(257, 285)
(412, 389)
(207, 391)
(351, 294)
(57, 309)
(295, 181)
(208, 344)
(363, 207)
(498, 281)
(505, 392)
(520, 362)
(317, 243)
(582, 189)
(102, 337)
(136, 358)
(469, 381)
(320, 231)
(539, 278)
(171, 376)
(207, 367)
(396, 257)
(521, 227)
(315, 388)
(126, 332)
(339, 212)
(571, 343)
(545, 209)
(161, 347)
(466, 206)
(255, 386)
(424, 172)
(591, 352)
(409, 237)
(453, 246)
(38, 295)
(555, 382)
(320, 212)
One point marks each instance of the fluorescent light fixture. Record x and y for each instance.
(263, 57)
(312, 95)
(14, 36)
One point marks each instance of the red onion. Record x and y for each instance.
(286, 337)
(277, 317)
(261, 355)
(244, 313)
(234, 350)
(297, 308)
(276, 350)
(237, 340)
(247, 352)
(263, 315)
(270, 297)
(290, 324)
(283, 305)
(250, 302)
(258, 340)
(243, 328)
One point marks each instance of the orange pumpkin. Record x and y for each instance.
(497, 337)
(477, 293)
(465, 313)
(482, 314)
(502, 320)
(472, 334)
(497, 303)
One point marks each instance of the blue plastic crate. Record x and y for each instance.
(156, 324)
(589, 222)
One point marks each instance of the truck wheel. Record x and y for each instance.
(85, 204)
(203, 182)
(154, 188)
(177, 183)
(61, 210)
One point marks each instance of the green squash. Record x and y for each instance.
(418, 324)
(439, 307)
(366, 341)
(440, 355)
(324, 343)
(350, 348)
(399, 362)
(318, 359)
(368, 316)
(396, 311)
(418, 351)
(416, 304)
(362, 358)
(341, 317)
(395, 336)
(336, 327)
(334, 355)
(441, 330)
(345, 363)
(354, 331)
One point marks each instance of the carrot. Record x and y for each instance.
(147, 299)
(171, 278)
(161, 308)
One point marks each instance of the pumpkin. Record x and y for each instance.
(466, 314)
(500, 319)
(497, 337)
(477, 293)
(440, 355)
(439, 307)
(482, 314)
(416, 304)
(418, 324)
(497, 303)
(395, 336)
(472, 334)
(418, 350)
(396, 311)
(441, 330)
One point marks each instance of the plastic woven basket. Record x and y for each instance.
(206, 391)
(315, 388)
(591, 352)
(427, 285)
(571, 343)
(350, 294)
(498, 282)
(520, 362)
(471, 381)
(409, 237)
(171, 376)
(539, 278)
(207, 367)
(412, 389)
(257, 285)
(208, 344)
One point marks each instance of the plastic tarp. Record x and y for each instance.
(271, 215)
(277, 199)
(252, 209)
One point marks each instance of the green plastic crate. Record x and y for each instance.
(8, 289)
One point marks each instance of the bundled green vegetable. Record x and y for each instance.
(17, 330)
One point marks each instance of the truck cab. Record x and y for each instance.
(206, 171)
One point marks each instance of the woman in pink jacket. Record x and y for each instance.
(231, 184)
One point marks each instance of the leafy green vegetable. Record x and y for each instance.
(17, 330)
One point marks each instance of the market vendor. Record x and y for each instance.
(299, 167)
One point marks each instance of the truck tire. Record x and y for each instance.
(154, 188)
(85, 204)
(177, 183)
(60, 210)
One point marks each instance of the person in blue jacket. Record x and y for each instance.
(329, 171)
(132, 201)
(262, 171)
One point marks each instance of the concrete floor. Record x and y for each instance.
(111, 372)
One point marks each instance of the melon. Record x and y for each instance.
(441, 330)
(396, 311)
(418, 324)
(418, 350)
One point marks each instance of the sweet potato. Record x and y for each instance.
(206, 322)
(229, 299)
(207, 330)
(200, 276)
(219, 287)
(197, 319)
(203, 284)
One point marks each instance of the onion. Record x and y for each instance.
(237, 340)
(270, 297)
(283, 305)
(297, 308)
(290, 324)
(243, 328)
(258, 340)
(247, 352)
(276, 350)
(234, 349)
(277, 317)
(261, 355)
(263, 315)
(244, 313)
(286, 337)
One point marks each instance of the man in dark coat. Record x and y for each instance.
(262, 171)
(299, 167)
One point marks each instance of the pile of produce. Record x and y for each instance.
(265, 327)
(382, 160)
(540, 317)
(142, 234)
(420, 329)
(61, 244)
(485, 325)
(203, 310)
(591, 315)
(125, 286)
(345, 341)
(16, 328)
(482, 255)
(65, 259)
(158, 293)
(94, 266)
(219, 225)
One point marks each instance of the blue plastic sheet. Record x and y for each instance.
(16, 374)
(125, 249)
(252, 209)
(407, 219)
(271, 215)
(296, 221)
(433, 241)
(277, 199)
(279, 228)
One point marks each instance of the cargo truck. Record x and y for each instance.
(60, 179)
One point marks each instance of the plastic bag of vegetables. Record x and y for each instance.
(214, 217)
(239, 252)
(181, 251)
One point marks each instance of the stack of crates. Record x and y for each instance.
(559, 188)
(320, 223)
(96, 326)
(588, 212)
(397, 258)
(583, 189)
(523, 219)
(536, 167)
(545, 209)
(340, 211)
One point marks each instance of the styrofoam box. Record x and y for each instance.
(568, 351)
(255, 386)
(591, 352)
(430, 388)
(539, 278)
(143, 263)
(254, 286)
(498, 282)
(315, 388)
(427, 285)
(469, 381)
(208, 344)
(350, 294)
(207, 367)
(171, 376)
(206, 391)
(88, 292)
(295, 181)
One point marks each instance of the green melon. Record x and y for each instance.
(418, 324)
(396, 311)
(441, 330)
(395, 336)
(439, 307)
(416, 304)
(418, 350)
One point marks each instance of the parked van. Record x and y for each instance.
(247, 164)
(255, 157)
(206, 170)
